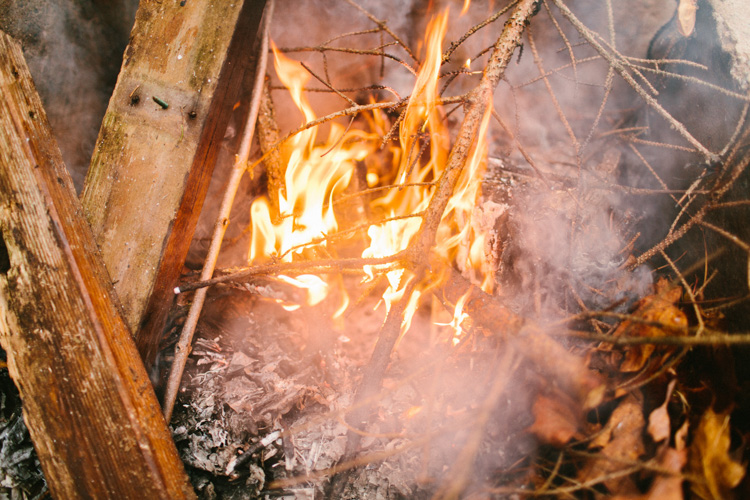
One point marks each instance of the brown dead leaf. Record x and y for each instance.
(659, 317)
(686, 11)
(680, 437)
(668, 486)
(555, 420)
(658, 421)
(709, 458)
(625, 427)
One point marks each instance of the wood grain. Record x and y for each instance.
(87, 400)
(152, 166)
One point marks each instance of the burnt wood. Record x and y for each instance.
(87, 400)
(186, 69)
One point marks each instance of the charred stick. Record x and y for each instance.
(245, 457)
(268, 135)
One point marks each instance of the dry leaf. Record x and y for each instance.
(555, 421)
(680, 437)
(625, 447)
(668, 486)
(658, 421)
(657, 308)
(709, 458)
(686, 16)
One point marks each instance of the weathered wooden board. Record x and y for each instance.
(87, 400)
(152, 164)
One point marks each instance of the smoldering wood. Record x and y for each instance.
(268, 136)
(152, 165)
(87, 399)
(568, 370)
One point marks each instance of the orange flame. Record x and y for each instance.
(316, 173)
(422, 119)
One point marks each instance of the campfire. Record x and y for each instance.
(474, 254)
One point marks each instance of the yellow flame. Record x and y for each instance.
(316, 288)
(316, 173)
(456, 230)
(313, 175)
(467, 3)
(458, 317)
(422, 119)
(413, 412)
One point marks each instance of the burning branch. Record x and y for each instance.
(478, 103)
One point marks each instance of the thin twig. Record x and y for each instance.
(330, 87)
(555, 102)
(564, 39)
(621, 70)
(362, 52)
(182, 349)
(382, 25)
(456, 44)
(688, 291)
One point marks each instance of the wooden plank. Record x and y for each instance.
(87, 400)
(152, 164)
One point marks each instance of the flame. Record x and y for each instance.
(465, 8)
(423, 120)
(316, 173)
(458, 317)
(413, 411)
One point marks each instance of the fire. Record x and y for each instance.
(317, 173)
(423, 119)
(314, 175)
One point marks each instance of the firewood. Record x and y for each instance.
(185, 69)
(87, 400)
(268, 135)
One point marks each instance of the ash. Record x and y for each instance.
(275, 385)
(20, 472)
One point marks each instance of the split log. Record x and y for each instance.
(87, 400)
(187, 66)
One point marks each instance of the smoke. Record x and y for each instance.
(73, 49)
